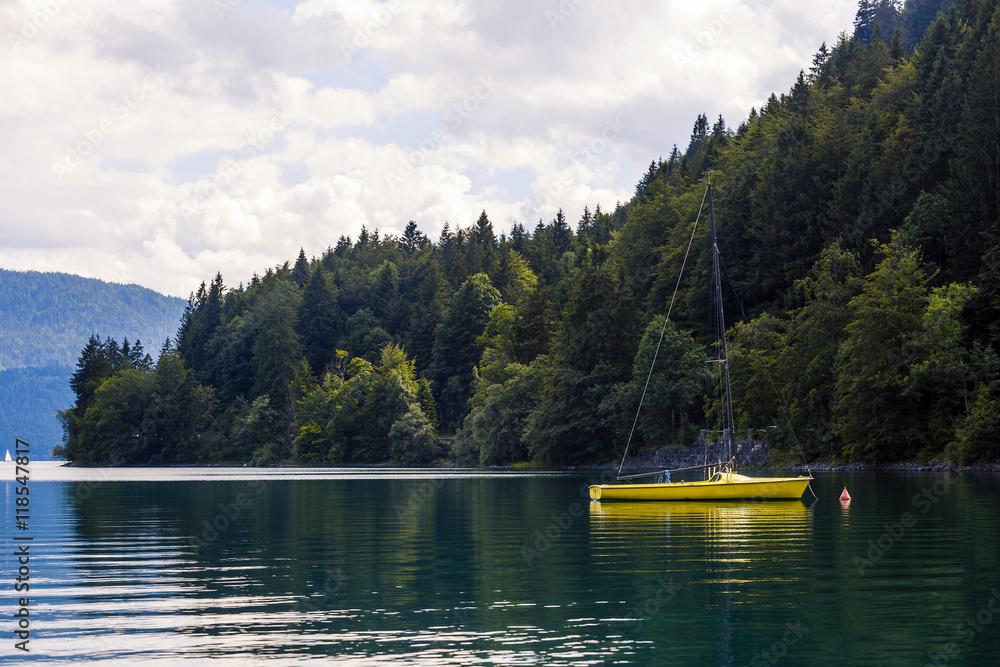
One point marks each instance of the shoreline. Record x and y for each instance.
(635, 465)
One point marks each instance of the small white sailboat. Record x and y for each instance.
(8, 459)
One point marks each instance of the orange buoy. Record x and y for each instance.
(845, 495)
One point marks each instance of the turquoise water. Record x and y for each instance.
(222, 567)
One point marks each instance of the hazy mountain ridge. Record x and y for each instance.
(46, 318)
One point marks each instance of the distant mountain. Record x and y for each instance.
(45, 321)
(46, 318)
(29, 400)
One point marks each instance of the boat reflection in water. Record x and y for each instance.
(738, 531)
(678, 562)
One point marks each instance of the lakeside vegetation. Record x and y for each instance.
(45, 319)
(859, 220)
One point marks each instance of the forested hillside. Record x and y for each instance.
(30, 399)
(858, 222)
(45, 318)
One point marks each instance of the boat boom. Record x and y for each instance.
(658, 472)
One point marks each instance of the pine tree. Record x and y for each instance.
(818, 69)
(300, 273)
(318, 321)
(561, 234)
(277, 353)
(456, 351)
(412, 239)
(874, 420)
(519, 236)
(199, 323)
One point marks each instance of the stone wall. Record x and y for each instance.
(749, 454)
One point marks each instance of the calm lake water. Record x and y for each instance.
(221, 567)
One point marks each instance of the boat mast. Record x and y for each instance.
(722, 324)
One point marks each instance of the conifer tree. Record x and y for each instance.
(873, 419)
(318, 321)
(456, 351)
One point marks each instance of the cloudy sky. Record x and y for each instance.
(158, 142)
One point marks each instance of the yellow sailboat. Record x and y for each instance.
(723, 484)
(722, 481)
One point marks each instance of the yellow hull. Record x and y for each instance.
(727, 486)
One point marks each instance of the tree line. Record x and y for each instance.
(859, 229)
(46, 318)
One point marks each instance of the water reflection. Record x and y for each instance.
(722, 522)
(433, 570)
(720, 532)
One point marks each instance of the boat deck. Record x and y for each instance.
(723, 486)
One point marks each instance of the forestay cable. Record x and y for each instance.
(662, 332)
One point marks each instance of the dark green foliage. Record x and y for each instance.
(277, 353)
(858, 227)
(413, 240)
(318, 321)
(300, 273)
(456, 350)
(875, 19)
(135, 413)
(365, 337)
(874, 420)
(598, 322)
(976, 438)
(493, 431)
(412, 438)
(816, 331)
(676, 382)
(917, 16)
(573, 422)
(368, 414)
(199, 323)
(429, 296)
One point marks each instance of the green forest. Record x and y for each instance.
(859, 230)
(45, 318)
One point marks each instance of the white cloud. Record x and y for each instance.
(193, 142)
